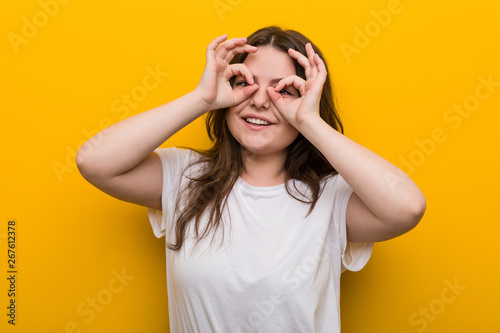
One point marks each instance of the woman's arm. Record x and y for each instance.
(120, 160)
(386, 202)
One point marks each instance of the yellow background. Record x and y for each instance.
(64, 82)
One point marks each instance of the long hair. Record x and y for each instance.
(206, 194)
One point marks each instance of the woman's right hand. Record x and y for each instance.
(214, 87)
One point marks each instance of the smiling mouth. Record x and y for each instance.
(257, 122)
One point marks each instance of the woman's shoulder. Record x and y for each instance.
(176, 153)
(333, 183)
(330, 179)
(175, 160)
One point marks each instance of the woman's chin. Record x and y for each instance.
(262, 150)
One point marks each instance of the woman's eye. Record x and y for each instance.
(242, 83)
(285, 92)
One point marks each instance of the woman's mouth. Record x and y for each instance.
(257, 122)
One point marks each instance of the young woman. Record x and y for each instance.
(259, 227)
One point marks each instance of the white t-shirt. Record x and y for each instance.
(276, 271)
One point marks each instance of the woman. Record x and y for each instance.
(260, 226)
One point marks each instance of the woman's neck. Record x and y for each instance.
(263, 170)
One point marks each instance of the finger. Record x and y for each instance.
(317, 84)
(293, 81)
(245, 93)
(223, 48)
(321, 68)
(310, 54)
(302, 60)
(240, 69)
(278, 101)
(275, 97)
(320, 64)
(239, 49)
(213, 45)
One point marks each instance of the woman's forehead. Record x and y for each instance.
(269, 62)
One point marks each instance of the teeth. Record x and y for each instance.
(256, 121)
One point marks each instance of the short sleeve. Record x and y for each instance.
(354, 255)
(173, 161)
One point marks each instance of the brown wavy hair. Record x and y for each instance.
(206, 194)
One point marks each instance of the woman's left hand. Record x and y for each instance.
(297, 111)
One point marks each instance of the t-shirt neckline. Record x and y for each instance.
(260, 188)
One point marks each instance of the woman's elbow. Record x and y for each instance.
(86, 164)
(414, 212)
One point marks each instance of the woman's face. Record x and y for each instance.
(255, 123)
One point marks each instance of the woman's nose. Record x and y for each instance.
(260, 99)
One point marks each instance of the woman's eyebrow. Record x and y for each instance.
(255, 78)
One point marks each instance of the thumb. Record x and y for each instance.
(246, 92)
(276, 98)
